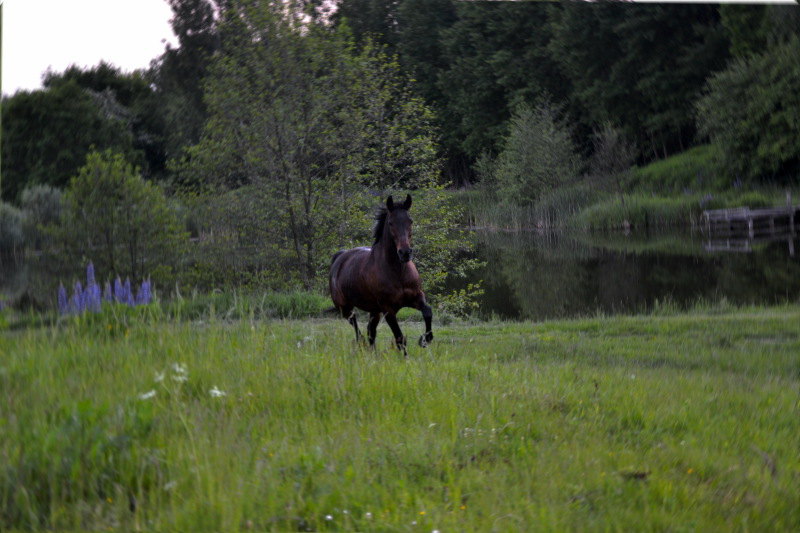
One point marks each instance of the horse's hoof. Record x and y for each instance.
(425, 339)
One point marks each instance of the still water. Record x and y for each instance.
(533, 275)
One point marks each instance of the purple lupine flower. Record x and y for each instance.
(90, 274)
(147, 295)
(143, 295)
(107, 295)
(63, 305)
(77, 302)
(94, 299)
(119, 291)
(128, 293)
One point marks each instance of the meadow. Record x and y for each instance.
(133, 420)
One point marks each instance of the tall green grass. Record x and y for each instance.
(554, 210)
(660, 422)
(640, 211)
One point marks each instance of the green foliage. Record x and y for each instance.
(47, 135)
(494, 59)
(120, 221)
(751, 111)
(538, 156)
(639, 67)
(42, 206)
(12, 235)
(179, 73)
(623, 423)
(751, 29)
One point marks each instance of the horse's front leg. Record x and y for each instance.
(427, 314)
(391, 319)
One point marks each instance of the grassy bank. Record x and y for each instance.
(679, 422)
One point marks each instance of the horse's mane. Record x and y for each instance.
(380, 222)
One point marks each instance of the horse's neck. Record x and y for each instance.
(385, 251)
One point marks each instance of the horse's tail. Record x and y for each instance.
(332, 284)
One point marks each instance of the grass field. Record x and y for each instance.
(125, 421)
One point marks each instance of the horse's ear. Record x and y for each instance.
(390, 203)
(407, 203)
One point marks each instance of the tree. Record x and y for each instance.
(128, 99)
(751, 111)
(497, 59)
(538, 155)
(178, 75)
(118, 220)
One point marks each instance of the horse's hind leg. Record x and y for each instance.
(391, 319)
(353, 320)
(350, 314)
(372, 327)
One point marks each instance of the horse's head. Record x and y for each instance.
(398, 224)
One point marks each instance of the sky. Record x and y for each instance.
(42, 34)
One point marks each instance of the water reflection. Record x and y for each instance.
(537, 276)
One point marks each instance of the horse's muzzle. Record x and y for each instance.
(405, 254)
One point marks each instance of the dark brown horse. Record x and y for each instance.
(382, 279)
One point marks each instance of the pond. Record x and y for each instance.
(540, 275)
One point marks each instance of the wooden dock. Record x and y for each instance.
(752, 223)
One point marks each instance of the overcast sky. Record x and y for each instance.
(38, 34)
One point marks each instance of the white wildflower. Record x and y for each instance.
(147, 395)
(216, 393)
(328, 517)
(159, 377)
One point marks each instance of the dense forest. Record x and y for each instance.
(259, 144)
